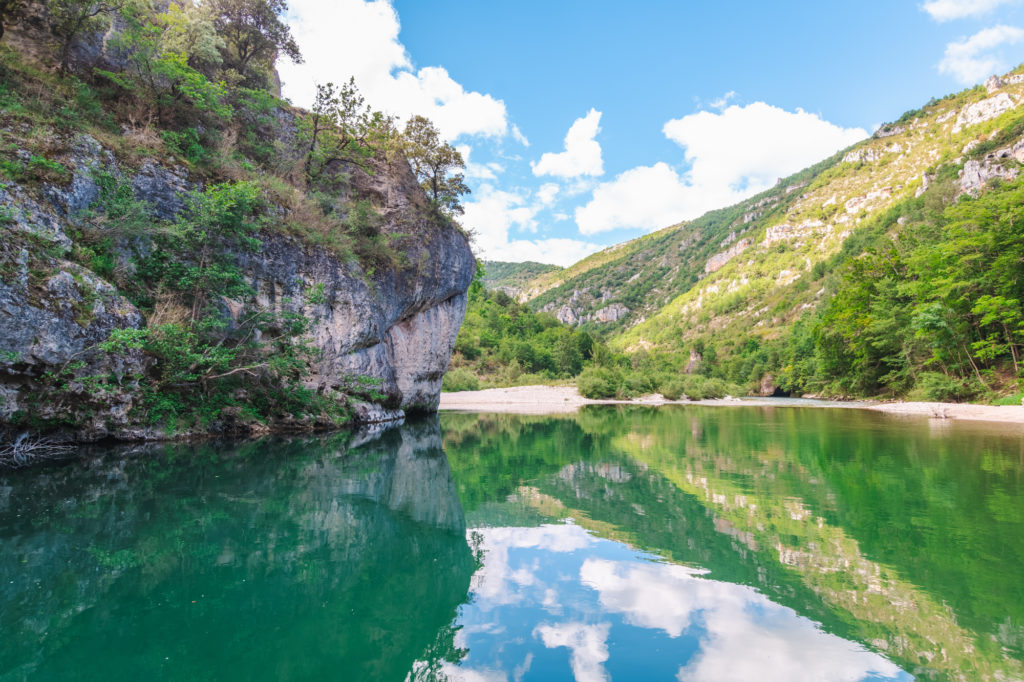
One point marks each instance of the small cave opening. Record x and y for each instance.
(779, 393)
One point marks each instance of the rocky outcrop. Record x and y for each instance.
(396, 324)
(1001, 164)
(53, 313)
(984, 110)
(612, 313)
(718, 261)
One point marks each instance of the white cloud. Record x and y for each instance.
(582, 155)
(588, 646)
(972, 59)
(646, 198)
(518, 136)
(732, 154)
(342, 38)
(547, 193)
(478, 171)
(947, 10)
(723, 101)
(494, 213)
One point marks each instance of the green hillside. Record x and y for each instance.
(890, 269)
(511, 277)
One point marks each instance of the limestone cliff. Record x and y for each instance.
(396, 324)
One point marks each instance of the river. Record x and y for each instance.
(620, 542)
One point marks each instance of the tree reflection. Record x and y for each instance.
(280, 559)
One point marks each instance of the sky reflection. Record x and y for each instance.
(555, 602)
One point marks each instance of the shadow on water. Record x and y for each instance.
(275, 560)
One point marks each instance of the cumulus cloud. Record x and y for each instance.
(343, 38)
(494, 213)
(646, 198)
(547, 193)
(587, 644)
(731, 155)
(947, 10)
(582, 155)
(972, 59)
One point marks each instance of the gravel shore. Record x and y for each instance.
(539, 400)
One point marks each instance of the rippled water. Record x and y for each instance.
(691, 543)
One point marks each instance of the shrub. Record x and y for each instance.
(460, 379)
(598, 382)
(938, 387)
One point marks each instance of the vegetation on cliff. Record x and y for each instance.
(172, 160)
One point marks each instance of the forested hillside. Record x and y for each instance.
(890, 269)
(510, 277)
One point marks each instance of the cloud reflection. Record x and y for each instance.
(743, 635)
(557, 587)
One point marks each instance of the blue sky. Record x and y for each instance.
(670, 108)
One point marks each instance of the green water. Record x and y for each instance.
(618, 543)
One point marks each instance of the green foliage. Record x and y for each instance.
(187, 145)
(514, 275)
(599, 382)
(253, 34)
(70, 19)
(505, 343)
(436, 164)
(460, 379)
(933, 310)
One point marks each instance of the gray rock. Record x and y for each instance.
(162, 188)
(49, 328)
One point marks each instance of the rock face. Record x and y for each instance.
(396, 323)
(978, 172)
(718, 261)
(984, 110)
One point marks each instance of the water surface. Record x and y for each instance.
(691, 543)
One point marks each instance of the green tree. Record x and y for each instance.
(434, 161)
(341, 127)
(254, 33)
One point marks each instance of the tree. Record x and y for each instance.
(432, 159)
(159, 51)
(10, 10)
(190, 30)
(254, 33)
(70, 19)
(336, 126)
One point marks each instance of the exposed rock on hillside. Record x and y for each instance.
(718, 261)
(984, 110)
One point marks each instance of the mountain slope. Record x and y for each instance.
(746, 289)
(510, 277)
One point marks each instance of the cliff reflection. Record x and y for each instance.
(302, 559)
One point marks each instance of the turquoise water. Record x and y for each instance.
(620, 543)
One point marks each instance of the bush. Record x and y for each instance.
(460, 379)
(598, 382)
(635, 384)
(938, 387)
(672, 388)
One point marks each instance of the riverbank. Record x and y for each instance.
(537, 400)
